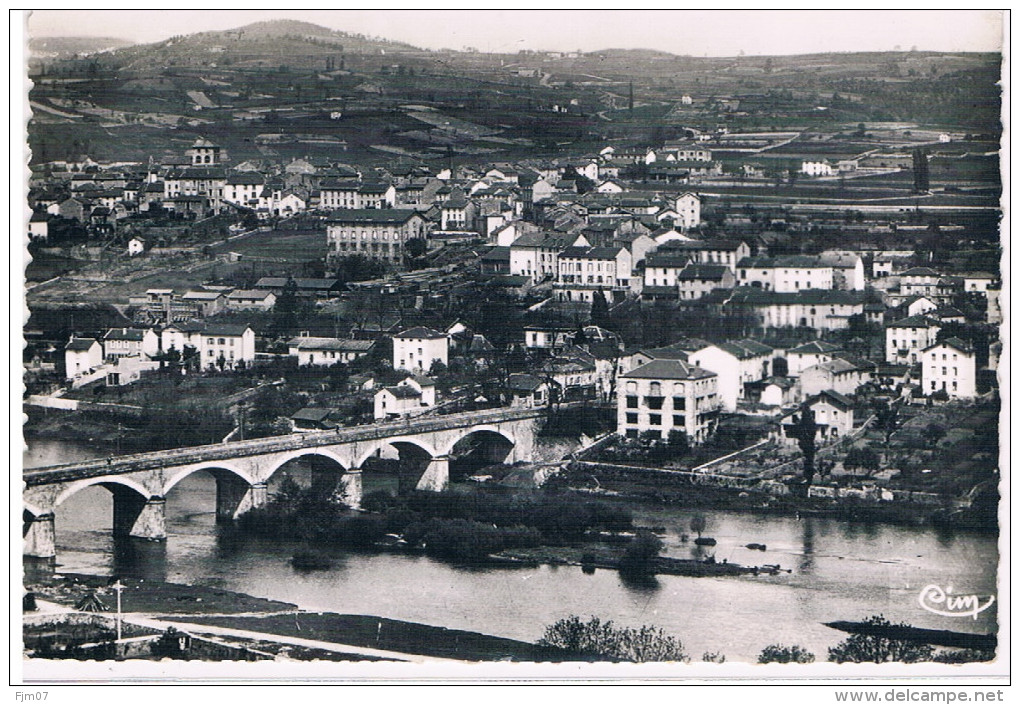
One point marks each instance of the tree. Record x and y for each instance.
(921, 181)
(639, 557)
(698, 524)
(417, 247)
(887, 419)
(599, 309)
(603, 639)
(932, 434)
(805, 431)
(872, 648)
(864, 458)
(777, 653)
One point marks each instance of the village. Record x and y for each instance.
(508, 284)
(625, 312)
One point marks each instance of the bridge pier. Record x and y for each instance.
(151, 521)
(436, 477)
(234, 497)
(39, 536)
(348, 489)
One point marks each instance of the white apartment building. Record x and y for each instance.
(949, 366)
(906, 338)
(418, 348)
(663, 395)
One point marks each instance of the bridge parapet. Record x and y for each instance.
(312, 439)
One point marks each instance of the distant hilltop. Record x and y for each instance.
(67, 47)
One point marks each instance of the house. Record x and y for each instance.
(224, 346)
(907, 337)
(417, 349)
(204, 152)
(844, 374)
(697, 280)
(847, 270)
(727, 252)
(457, 213)
(584, 270)
(922, 281)
(737, 363)
(810, 354)
(688, 208)
(816, 169)
(81, 356)
(833, 416)
(949, 366)
(527, 390)
(786, 273)
(553, 338)
(38, 227)
(128, 368)
(978, 281)
(250, 300)
(309, 419)
(821, 309)
(135, 246)
(679, 350)
(376, 233)
(203, 303)
(574, 375)
(325, 352)
(666, 395)
(536, 255)
(411, 397)
(122, 342)
(243, 188)
(779, 391)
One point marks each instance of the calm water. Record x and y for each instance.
(841, 571)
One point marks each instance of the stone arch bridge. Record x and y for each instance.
(242, 469)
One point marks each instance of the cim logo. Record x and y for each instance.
(938, 601)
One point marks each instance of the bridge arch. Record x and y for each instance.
(304, 453)
(396, 442)
(484, 428)
(110, 482)
(208, 467)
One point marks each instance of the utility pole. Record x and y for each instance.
(119, 587)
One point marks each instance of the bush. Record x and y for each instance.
(603, 639)
(777, 653)
(643, 549)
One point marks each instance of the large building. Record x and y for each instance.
(666, 395)
(417, 349)
(907, 337)
(950, 367)
(786, 273)
(379, 233)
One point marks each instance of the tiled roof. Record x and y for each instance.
(668, 369)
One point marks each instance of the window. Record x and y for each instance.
(632, 418)
(679, 403)
(678, 420)
(653, 402)
(655, 419)
(632, 402)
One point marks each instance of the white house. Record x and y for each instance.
(224, 346)
(785, 273)
(688, 208)
(135, 246)
(736, 363)
(122, 342)
(325, 352)
(412, 396)
(584, 270)
(906, 338)
(816, 169)
(833, 417)
(251, 300)
(810, 354)
(666, 395)
(536, 255)
(417, 349)
(977, 281)
(949, 366)
(847, 269)
(843, 374)
(379, 233)
(81, 356)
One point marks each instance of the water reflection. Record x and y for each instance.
(806, 564)
(139, 558)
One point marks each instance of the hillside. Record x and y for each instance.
(68, 47)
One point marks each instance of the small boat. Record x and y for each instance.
(756, 546)
(706, 541)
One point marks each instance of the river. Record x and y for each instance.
(840, 571)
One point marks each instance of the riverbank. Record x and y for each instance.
(265, 621)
